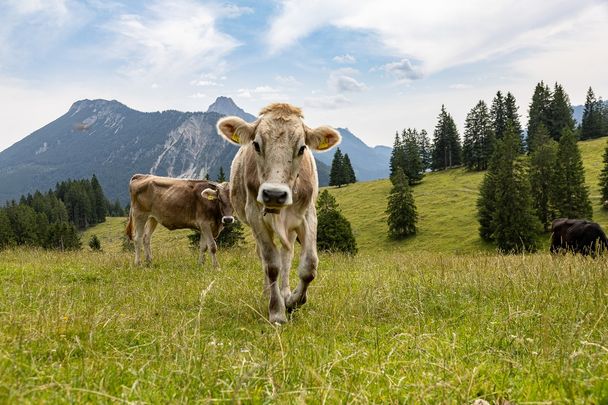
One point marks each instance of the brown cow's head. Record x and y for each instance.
(279, 139)
(222, 195)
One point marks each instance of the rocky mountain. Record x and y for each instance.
(113, 141)
(368, 163)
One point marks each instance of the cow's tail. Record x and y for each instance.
(129, 228)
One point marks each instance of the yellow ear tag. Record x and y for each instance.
(211, 197)
(236, 138)
(324, 144)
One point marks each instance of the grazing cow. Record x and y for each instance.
(578, 236)
(274, 188)
(177, 204)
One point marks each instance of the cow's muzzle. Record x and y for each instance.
(227, 220)
(274, 195)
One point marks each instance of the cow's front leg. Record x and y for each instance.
(271, 262)
(202, 249)
(307, 270)
(286, 259)
(207, 239)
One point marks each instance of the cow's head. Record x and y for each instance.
(279, 139)
(222, 195)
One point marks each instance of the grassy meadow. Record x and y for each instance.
(439, 318)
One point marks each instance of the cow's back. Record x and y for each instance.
(175, 203)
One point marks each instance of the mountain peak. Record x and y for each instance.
(226, 106)
(95, 104)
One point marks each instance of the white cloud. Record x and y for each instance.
(439, 34)
(341, 81)
(402, 70)
(262, 93)
(198, 95)
(171, 38)
(460, 86)
(288, 81)
(327, 102)
(345, 59)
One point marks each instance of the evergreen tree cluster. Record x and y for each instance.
(595, 117)
(341, 170)
(410, 155)
(551, 109)
(447, 150)
(505, 208)
(334, 233)
(52, 220)
(484, 126)
(508, 212)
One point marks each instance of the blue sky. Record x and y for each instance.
(373, 67)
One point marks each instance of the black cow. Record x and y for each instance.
(577, 236)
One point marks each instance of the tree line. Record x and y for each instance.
(53, 220)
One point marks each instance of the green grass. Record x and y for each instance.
(380, 327)
(439, 318)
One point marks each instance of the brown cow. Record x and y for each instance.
(177, 204)
(274, 187)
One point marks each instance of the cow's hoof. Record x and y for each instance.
(278, 320)
(292, 303)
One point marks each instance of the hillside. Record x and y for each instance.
(446, 203)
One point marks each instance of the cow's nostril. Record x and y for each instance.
(228, 220)
(282, 197)
(266, 196)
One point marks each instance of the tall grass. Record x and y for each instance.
(379, 327)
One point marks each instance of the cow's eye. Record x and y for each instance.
(256, 146)
(302, 149)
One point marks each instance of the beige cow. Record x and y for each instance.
(274, 188)
(177, 204)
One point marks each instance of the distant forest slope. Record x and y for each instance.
(446, 203)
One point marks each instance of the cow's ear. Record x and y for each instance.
(322, 138)
(236, 130)
(209, 193)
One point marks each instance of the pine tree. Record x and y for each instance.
(542, 168)
(99, 201)
(446, 143)
(604, 179)
(401, 209)
(94, 243)
(569, 194)
(512, 117)
(486, 202)
(498, 115)
(426, 152)
(62, 236)
(412, 168)
(397, 160)
(334, 233)
(336, 175)
(7, 237)
(349, 172)
(514, 221)
(538, 112)
(560, 112)
(591, 125)
(221, 177)
(478, 138)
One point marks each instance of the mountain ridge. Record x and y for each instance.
(113, 141)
